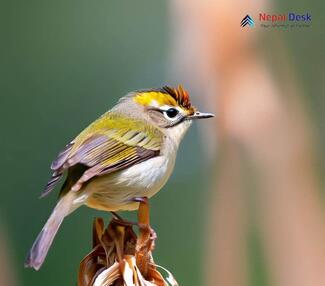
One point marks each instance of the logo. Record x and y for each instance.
(248, 20)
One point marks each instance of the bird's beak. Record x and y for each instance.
(199, 115)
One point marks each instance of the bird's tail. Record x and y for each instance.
(41, 246)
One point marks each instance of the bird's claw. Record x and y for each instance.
(140, 200)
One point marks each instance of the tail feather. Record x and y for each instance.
(41, 246)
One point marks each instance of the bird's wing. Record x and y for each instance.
(109, 144)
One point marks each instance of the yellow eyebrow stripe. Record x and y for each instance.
(152, 97)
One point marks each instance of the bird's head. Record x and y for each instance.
(168, 107)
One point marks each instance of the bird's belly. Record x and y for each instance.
(113, 192)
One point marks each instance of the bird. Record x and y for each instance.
(127, 153)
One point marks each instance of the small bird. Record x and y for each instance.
(127, 153)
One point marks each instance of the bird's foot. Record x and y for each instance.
(143, 200)
(143, 218)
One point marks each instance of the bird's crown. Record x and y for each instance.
(165, 96)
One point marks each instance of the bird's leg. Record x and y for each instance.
(118, 219)
(143, 212)
(144, 216)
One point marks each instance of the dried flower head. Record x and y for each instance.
(119, 257)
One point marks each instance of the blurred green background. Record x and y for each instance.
(64, 63)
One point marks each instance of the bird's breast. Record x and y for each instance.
(147, 176)
(114, 191)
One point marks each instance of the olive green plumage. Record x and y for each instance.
(110, 143)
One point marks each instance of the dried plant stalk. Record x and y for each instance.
(119, 257)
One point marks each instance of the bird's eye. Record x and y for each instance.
(172, 112)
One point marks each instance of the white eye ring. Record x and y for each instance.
(171, 113)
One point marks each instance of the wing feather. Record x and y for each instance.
(105, 149)
(62, 157)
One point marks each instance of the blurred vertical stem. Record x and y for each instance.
(263, 122)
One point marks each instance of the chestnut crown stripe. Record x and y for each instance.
(179, 94)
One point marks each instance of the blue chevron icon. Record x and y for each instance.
(247, 20)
